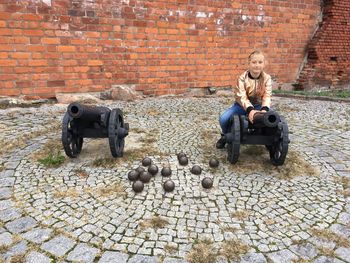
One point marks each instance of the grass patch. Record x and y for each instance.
(320, 93)
(255, 158)
(52, 160)
(328, 235)
(325, 251)
(51, 154)
(2, 167)
(241, 214)
(155, 222)
(300, 260)
(18, 258)
(3, 249)
(202, 252)
(233, 249)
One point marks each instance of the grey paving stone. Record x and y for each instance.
(282, 256)
(38, 235)
(18, 249)
(143, 259)
(324, 259)
(305, 250)
(253, 257)
(113, 257)
(9, 214)
(21, 224)
(5, 239)
(58, 246)
(5, 204)
(83, 253)
(5, 192)
(36, 257)
(6, 182)
(174, 260)
(343, 253)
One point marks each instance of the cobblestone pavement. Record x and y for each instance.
(85, 210)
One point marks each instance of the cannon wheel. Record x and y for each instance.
(116, 143)
(234, 146)
(72, 143)
(279, 150)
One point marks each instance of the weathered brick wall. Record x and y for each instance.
(161, 46)
(328, 54)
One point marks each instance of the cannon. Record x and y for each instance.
(82, 121)
(268, 128)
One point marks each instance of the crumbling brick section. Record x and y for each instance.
(159, 46)
(328, 54)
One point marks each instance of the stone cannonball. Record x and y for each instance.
(140, 169)
(146, 161)
(196, 169)
(179, 155)
(145, 177)
(207, 183)
(166, 171)
(137, 186)
(213, 162)
(153, 169)
(183, 160)
(133, 175)
(169, 186)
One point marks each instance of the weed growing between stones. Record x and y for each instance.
(116, 188)
(52, 160)
(2, 167)
(20, 258)
(325, 251)
(202, 252)
(81, 173)
(328, 235)
(300, 260)
(241, 214)
(71, 192)
(155, 222)
(170, 248)
(233, 249)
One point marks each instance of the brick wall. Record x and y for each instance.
(161, 46)
(328, 54)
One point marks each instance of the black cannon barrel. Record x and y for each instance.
(89, 113)
(266, 119)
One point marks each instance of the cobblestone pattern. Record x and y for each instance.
(87, 227)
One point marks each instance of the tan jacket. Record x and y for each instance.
(245, 91)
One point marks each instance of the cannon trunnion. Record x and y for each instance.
(82, 121)
(269, 129)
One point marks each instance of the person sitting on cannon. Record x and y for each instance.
(252, 94)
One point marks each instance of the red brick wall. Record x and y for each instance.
(161, 46)
(328, 57)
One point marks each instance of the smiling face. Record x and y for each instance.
(256, 64)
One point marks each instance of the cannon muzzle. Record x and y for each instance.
(266, 119)
(88, 113)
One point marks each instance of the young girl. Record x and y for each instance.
(252, 94)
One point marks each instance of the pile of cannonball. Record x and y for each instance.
(141, 176)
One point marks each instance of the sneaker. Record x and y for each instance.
(220, 144)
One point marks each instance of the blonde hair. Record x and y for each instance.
(260, 91)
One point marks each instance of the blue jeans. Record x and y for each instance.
(236, 109)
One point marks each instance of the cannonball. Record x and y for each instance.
(169, 186)
(146, 161)
(179, 155)
(207, 183)
(140, 169)
(145, 177)
(137, 186)
(133, 175)
(153, 169)
(196, 169)
(213, 162)
(183, 160)
(166, 171)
